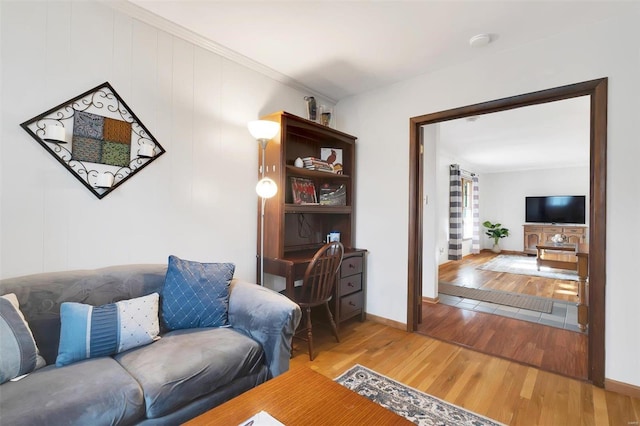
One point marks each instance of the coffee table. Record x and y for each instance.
(301, 397)
(566, 248)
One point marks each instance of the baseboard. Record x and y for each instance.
(433, 301)
(622, 388)
(387, 321)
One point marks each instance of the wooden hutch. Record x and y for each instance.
(294, 232)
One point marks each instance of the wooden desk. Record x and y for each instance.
(301, 397)
(349, 292)
(541, 260)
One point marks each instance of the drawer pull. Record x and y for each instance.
(349, 284)
(351, 303)
(351, 265)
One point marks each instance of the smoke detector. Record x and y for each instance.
(480, 40)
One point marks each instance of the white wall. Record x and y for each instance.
(431, 204)
(197, 201)
(502, 198)
(380, 119)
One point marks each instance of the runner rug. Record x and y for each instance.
(526, 265)
(417, 407)
(517, 300)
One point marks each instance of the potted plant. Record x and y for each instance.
(495, 231)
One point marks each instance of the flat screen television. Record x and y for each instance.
(555, 209)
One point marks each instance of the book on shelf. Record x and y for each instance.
(313, 163)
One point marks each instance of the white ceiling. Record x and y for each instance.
(342, 48)
(551, 135)
(338, 49)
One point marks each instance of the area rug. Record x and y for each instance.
(525, 265)
(417, 407)
(517, 300)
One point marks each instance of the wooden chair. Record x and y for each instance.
(317, 287)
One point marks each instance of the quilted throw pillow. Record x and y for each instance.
(90, 332)
(19, 354)
(196, 294)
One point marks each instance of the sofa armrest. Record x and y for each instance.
(268, 317)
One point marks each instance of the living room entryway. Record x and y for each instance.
(552, 339)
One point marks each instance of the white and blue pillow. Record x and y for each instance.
(19, 354)
(91, 332)
(196, 294)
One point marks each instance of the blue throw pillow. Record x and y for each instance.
(91, 332)
(196, 294)
(18, 351)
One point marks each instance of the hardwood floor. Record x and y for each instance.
(509, 392)
(548, 348)
(464, 273)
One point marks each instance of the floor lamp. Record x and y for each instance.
(263, 131)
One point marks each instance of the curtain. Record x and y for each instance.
(475, 211)
(455, 213)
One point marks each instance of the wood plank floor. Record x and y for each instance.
(509, 392)
(464, 272)
(549, 348)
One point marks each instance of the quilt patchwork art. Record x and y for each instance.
(102, 140)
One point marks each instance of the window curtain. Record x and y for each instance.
(475, 209)
(455, 212)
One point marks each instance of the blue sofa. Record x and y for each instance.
(176, 378)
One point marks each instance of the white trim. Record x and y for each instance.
(143, 15)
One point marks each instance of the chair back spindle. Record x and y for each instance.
(321, 274)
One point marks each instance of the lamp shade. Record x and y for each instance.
(263, 129)
(266, 188)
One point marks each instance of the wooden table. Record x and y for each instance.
(349, 291)
(293, 266)
(555, 263)
(581, 265)
(301, 397)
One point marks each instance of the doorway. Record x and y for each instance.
(597, 91)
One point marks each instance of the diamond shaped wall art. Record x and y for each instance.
(97, 137)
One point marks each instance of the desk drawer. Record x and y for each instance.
(351, 305)
(351, 266)
(350, 284)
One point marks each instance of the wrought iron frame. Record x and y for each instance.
(102, 97)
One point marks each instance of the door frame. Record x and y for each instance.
(597, 90)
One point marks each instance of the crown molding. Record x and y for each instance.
(143, 15)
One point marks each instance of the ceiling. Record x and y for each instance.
(545, 136)
(338, 49)
(343, 48)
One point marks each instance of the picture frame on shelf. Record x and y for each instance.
(333, 156)
(303, 191)
(333, 195)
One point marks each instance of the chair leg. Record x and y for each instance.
(332, 322)
(309, 334)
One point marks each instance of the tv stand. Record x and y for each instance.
(541, 233)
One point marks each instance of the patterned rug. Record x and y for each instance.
(526, 265)
(415, 406)
(517, 300)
